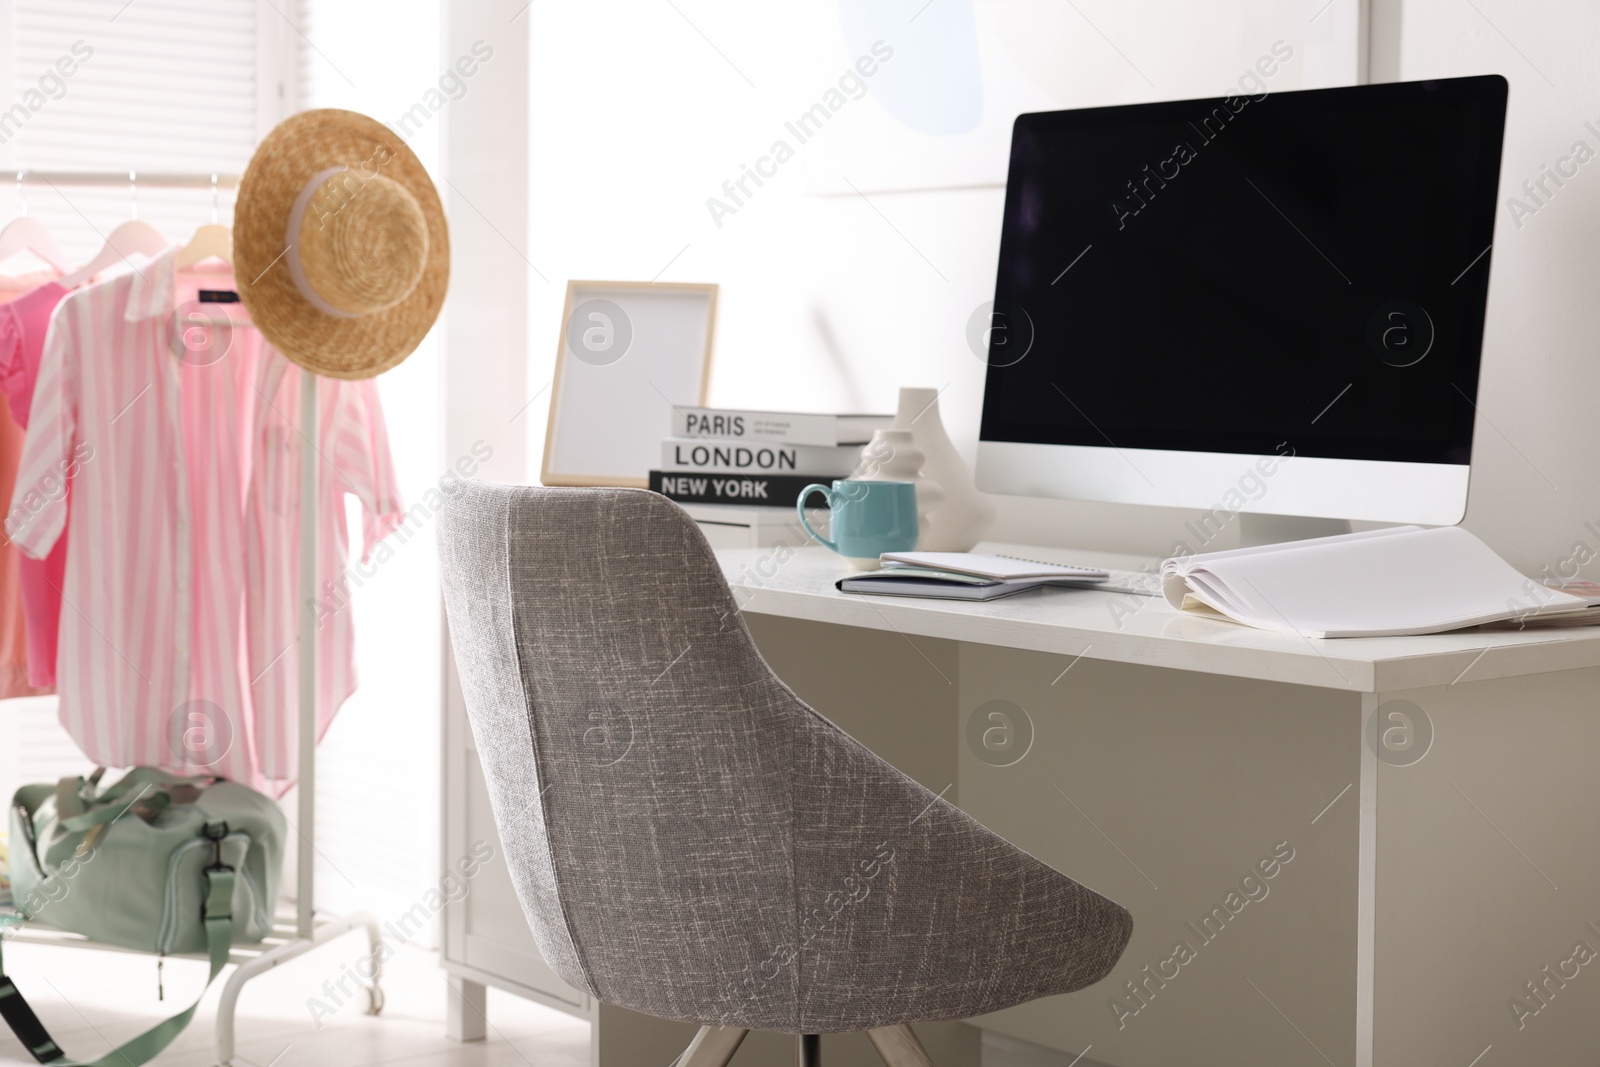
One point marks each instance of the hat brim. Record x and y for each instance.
(295, 151)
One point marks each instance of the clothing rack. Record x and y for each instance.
(309, 930)
(151, 179)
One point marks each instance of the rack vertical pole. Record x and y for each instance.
(308, 935)
(305, 866)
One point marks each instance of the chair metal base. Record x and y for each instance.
(714, 1046)
(899, 1047)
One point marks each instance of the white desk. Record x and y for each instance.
(1123, 628)
(1169, 754)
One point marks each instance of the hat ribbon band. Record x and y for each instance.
(297, 269)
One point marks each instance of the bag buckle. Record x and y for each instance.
(215, 832)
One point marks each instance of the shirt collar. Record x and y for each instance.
(155, 287)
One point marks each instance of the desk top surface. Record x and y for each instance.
(1121, 627)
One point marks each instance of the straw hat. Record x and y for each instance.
(340, 248)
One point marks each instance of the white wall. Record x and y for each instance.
(1536, 479)
(377, 767)
(829, 302)
(642, 110)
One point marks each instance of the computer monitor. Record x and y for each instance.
(1265, 304)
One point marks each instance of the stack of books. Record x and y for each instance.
(760, 458)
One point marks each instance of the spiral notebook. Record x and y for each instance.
(936, 585)
(988, 565)
(964, 576)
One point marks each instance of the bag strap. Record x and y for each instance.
(218, 920)
(157, 800)
(154, 777)
(80, 807)
(73, 793)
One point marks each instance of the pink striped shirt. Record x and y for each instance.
(177, 624)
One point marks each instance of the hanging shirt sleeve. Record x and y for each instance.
(361, 444)
(52, 452)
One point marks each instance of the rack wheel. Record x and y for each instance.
(374, 1000)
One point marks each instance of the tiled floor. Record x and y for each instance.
(91, 1000)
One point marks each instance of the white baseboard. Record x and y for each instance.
(1003, 1050)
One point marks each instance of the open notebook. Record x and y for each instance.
(1381, 583)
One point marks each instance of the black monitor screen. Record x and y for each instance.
(1230, 275)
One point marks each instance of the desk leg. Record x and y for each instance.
(1366, 886)
(467, 1014)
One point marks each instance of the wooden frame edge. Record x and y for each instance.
(549, 478)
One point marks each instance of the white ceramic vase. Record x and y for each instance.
(956, 517)
(893, 456)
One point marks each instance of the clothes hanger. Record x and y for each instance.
(130, 237)
(28, 234)
(210, 241)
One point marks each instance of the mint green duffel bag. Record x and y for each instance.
(155, 862)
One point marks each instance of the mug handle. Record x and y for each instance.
(800, 507)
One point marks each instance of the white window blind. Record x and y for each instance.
(154, 85)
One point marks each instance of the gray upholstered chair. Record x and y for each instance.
(690, 840)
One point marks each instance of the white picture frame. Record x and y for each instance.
(628, 354)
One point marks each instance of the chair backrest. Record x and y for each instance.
(688, 839)
(638, 750)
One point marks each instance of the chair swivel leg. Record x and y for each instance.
(899, 1047)
(713, 1046)
(808, 1050)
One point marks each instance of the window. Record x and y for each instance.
(154, 85)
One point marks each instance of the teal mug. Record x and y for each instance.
(866, 518)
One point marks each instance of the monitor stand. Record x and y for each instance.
(1256, 530)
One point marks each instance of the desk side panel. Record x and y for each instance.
(893, 693)
(1167, 790)
(1488, 873)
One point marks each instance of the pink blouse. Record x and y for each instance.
(23, 323)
